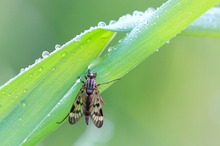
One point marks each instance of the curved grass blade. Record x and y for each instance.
(208, 25)
(27, 101)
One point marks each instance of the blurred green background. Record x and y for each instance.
(171, 99)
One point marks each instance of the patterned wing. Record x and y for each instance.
(97, 113)
(76, 111)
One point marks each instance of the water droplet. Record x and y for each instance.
(112, 22)
(78, 38)
(40, 69)
(91, 27)
(45, 54)
(25, 90)
(168, 42)
(31, 75)
(22, 70)
(157, 50)
(109, 49)
(150, 10)
(53, 69)
(101, 24)
(63, 54)
(88, 40)
(138, 13)
(57, 46)
(37, 60)
(23, 103)
(20, 118)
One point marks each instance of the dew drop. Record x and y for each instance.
(112, 22)
(25, 90)
(53, 69)
(57, 46)
(37, 60)
(63, 54)
(109, 49)
(45, 54)
(150, 10)
(88, 40)
(78, 38)
(138, 13)
(40, 69)
(114, 48)
(101, 24)
(22, 70)
(23, 103)
(20, 118)
(157, 50)
(31, 75)
(91, 27)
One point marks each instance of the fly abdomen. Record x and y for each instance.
(87, 111)
(87, 120)
(88, 106)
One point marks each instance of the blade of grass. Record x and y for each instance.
(146, 38)
(27, 100)
(208, 25)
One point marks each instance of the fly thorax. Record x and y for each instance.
(90, 86)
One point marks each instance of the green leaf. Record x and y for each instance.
(28, 100)
(33, 102)
(208, 25)
(147, 37)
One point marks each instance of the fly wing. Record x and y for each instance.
(76, 111)
(97, 113)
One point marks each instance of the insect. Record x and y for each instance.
(88, 102)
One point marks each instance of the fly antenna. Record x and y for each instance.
(108, 82)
